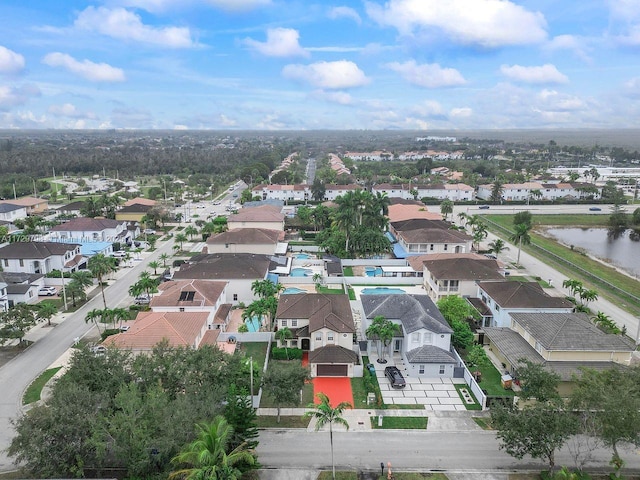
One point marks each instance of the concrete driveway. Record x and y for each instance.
(436, 394)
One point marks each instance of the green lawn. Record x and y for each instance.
(32, 394)
(490, 381)
(484, 423)
(403, 423)
(329, 291)
(257, 350)
(347, 271)
(469, 406)
(579, 220)
(268, 421)
(307, 398)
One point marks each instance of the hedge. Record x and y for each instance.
(278, 353)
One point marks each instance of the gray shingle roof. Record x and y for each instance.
(569, 331)
(512, 345)
(225, 266)
(413, 311)
(430, 354)
(8, 207)
(332, 354)
(510, 294)
(323, 311)
(463, 269)
(39, 250)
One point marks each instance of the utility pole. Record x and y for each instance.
(64, 290)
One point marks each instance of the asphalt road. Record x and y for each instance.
(17, 374)
(406, 450)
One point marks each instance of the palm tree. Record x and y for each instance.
(84, 277)
(75, 290)
(190, 231)
(497, 246)
(154, 264)
(281, 335)
(181, 238)
(164, 257)
(521, 236)
(207, 457)
(100, 266)
(118, 315)
(463, 218)
(587, 295)
(94, 315)
(46, 310)
(384, 330)
(446, 208)
(479, 231)
(317, 279)
(324, 414)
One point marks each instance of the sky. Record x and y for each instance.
(323, 64)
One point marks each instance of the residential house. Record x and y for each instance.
(133, 213)
(85, 229)
(41, 257)
(420, 236)
(248, 240)
(71, 209)
(334, 191)
(33, 205)
(194, 296)
(401, 210)
(140, 201)
(299, 193)
(21, 287)
(423, 344)
(458, 274)
(4, 298)
(563, 342)
(504, 298)
(323, 326)
(240, 270)
(265, 216)
(10, 212)
(454, 191)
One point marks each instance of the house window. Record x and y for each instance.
(186, 296)
(441, 371)
(426, 339)
(318, 337)
(446, 247)
(284, 323)
(329, 337)
(421, 369)
(294, 343)
(235, 297)
(431, 247)
(181, 309)
(294, 323)
(415, 338)
(497, 307)
(21, 262)
(6, 262)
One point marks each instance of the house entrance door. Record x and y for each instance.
(397, 345)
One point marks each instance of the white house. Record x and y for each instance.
(10, 212)
(41, 257)
(85, 229)
(264, 216)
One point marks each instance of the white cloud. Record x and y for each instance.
(463, 112)
(125, 25)
(569, 42)
(281, 42)
(559, 102)
(95, 72)
(10, 61)
(69, 110)
(539, 74)
(341, 98)
(227, 122)
(270, 122)
(428, 75)
(14, 96)
(333, 75)
(625, 10)
(488, 23)
(344, 12)
(238, 5)
(428, 108)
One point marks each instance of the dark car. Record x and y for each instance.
(595, 209)
(395, 377)
(484, 207)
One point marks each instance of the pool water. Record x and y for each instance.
(292, 290)
(301, 272)
(382, 291)
(373, 271)
(303, 256)
(253, 324)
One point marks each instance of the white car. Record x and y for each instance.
(119, 254)
(47, 291)
(149, 231)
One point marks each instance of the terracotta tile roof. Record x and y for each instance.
(247, 236)
(399, 212)
(36, 249)
(416, 261)
(264, 213)
(434, 235)
(322, 311)
(25, 201)
(510, 294)
(84, 224)
(181, 329)
(140, 201)
(222, 313)
(188, 293)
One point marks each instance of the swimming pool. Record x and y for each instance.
(253, 324)
(382, 291)
(301, 272)
(303, 256)
(292, 290)
(373, 271)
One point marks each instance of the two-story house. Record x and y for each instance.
(85, 229)
(32, 205)
(504, 298)
(41, 257)
(21, 287)
(422, 236)
(323, 326)
(424, 341)
(265, 216)
(10, 212)
(248, 240)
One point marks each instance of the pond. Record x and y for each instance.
(623, 252)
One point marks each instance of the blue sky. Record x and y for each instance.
(281, 65)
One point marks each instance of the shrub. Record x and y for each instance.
(278, 353)
(243, 328)
(108, 332)
(177, 263)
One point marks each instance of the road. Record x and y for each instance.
(406, 450)
(17, 374)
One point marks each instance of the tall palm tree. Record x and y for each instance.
(84, 277)
(46, 310)
(497, 246)
(101, 266)
(383, 330)
(207, 456)
(446, 208)
(154, 264)
(75, 290)
(117, 315)
(324, 414)
(164, 257)
(190, 231)
(281, 335)
(181, 238)
(521, 236)
(94, 315)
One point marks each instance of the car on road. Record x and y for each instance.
(595, 209)
(395, 377)
(47, 292)
(484, 207)
(217, 202)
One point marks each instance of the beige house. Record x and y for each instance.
(33, 205)
(264, 216)
(248, 240)
(423, 236)
(322, 325)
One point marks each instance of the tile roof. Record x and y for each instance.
(399, 212)
(247, 236)
(173, 293)
(413, 311)
(85, 224)
(18, 250)
(569, 331)
(322, 311)
(433, 235)
(135, 208)
(264, 213)
(225, 266)
(332, 354)
(25, 201)
(463, 268)
(509, 294)
(150, 328)
(430, 354)
(73, 206)
(419, 224)
(9, 207)
(140, 201)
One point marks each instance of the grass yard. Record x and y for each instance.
(33, 392)
(268, 421)
(491, 381)
(469, 406)
(307, 398)
(257, 350)
(580, 220)
(400, 423)
(329, 291)
(483, 422)
(347, 271)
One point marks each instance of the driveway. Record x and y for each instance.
(338, 389)
(436, 394)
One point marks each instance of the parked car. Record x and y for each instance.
(395, 377)
(119, 254)
(125, 328)
(143, 299)
(47, 291)
(484, 207)
(217, 202)
(595, 209)
(149, 231)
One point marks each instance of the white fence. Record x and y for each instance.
(473, 385)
